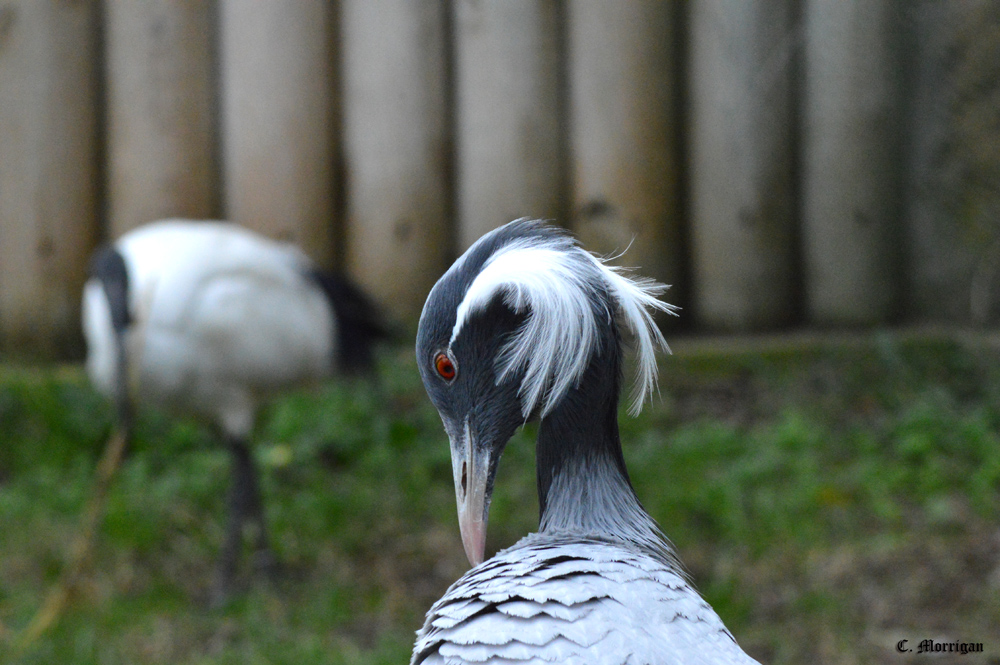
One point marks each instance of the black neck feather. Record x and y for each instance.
(581, 431)
(583, 485)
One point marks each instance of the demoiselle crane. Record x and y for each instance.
(209, 319)
(527, 324)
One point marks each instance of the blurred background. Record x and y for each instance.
(782, 164)
(825, 171)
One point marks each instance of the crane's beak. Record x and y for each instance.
(471, 467)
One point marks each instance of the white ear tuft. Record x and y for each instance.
(636, 297)
(559, 282)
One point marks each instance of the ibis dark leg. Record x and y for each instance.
(244, 505)
(263, 558)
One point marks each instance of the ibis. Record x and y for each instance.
(528, 325)
(209, 319)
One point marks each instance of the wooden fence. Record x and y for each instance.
(781, 162)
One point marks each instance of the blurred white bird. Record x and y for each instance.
(527, 324)
(209, 319)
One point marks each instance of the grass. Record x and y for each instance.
(829, 498)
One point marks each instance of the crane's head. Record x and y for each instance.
(506, 333)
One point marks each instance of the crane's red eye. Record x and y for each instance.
(445, 367)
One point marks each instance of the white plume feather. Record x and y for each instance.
(558, 281)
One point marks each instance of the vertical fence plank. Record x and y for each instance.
(851, 160)
(161, 118)
(278, 119)
(625, 164)
(48, 171)
(952, 191)
(742, 162)
(936, 266)
(509, 144)
(397, 147)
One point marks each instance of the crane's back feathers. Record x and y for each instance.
(566, 290)
(573, 599)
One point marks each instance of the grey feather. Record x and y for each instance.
(586, 600)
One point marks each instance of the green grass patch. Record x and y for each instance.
(829, 498)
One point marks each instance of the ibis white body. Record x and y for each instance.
(220, 318)
(208, 319)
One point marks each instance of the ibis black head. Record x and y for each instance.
(506, 333)
(107, 265)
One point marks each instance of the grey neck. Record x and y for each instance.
(583, 485)
(593, 498)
